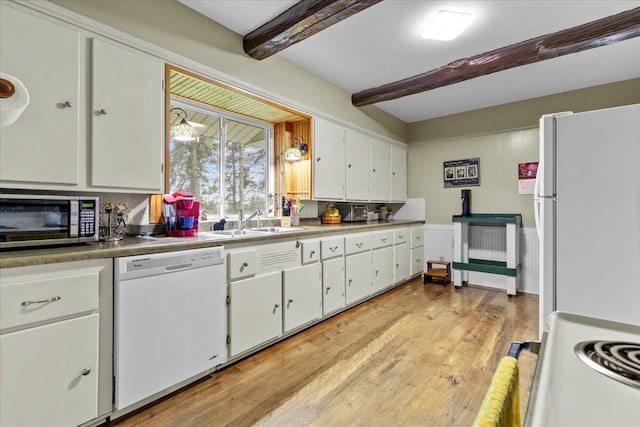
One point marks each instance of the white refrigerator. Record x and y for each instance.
(587, 209)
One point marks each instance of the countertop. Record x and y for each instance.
(134, 245)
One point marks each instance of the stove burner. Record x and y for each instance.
(615, 359)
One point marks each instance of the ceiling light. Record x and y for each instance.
(182, 131)
(446, 25)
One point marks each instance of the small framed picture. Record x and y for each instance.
(449, 174)
(472, 171)
(461, 172)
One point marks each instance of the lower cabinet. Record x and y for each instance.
(382, 268)
(417, 261)
(49, 374)
(332, 285)
(401, 254)
(255, 311)
(302, 295)
(56, 339)
(358, 276)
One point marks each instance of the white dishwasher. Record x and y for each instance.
(170, 319)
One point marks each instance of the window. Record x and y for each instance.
(227, 167)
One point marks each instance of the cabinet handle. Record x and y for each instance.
(384, 240)
(318, 159)
(311, 254)
(359, 245)
(374, 170)
(393, 173)
(86, 371)
(397, 265)
(44, 301)
(377, 272)
(276, 306)
(350, 280)
(333, 249)
(67, 104)
(401, 236)
(349, 165)
(290, 301)
(102, 112)
(328, 288)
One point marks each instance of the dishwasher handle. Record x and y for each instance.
(178, 267)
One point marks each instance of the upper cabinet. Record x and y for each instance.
(380, 170)
(127, 127)
(48, 147)
(329, 164)
(358, 160)
(398, 173)
(352, 166)
(42, 148)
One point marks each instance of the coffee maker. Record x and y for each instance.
(181, 213)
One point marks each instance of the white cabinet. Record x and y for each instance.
(302, 295)
(358, 160)
(127, 132)
(380, 170)
(358, 277)
(56, 340)
(42, 148)
(333, 285)
(49, 374)
(329, 162)
(255, 311)
(398, 173)
(417, 251)
(382, 260)
(401, 254)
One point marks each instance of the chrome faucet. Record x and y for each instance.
(242, 222)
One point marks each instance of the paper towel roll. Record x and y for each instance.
(13, 105)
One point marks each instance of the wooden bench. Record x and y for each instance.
(438, 275)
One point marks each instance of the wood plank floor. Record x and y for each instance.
(419, 355)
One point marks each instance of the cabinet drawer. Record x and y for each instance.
(417, 237)
(401, 235)
(47, 296)
(382, 239)
(310, 251)
(242, 263)
(332, 248)
(357, 243)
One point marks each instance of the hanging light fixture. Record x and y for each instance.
(295, 153)
(182, 131)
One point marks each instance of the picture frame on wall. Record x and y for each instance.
(462, 173)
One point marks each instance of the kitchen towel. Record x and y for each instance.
(14, 104)
(501, 405)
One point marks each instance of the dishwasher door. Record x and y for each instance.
(170, 320)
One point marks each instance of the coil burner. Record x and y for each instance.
(615, 359)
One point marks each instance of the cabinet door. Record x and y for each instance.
(380, 170)
(382, 260)
(358, 160)
(358, 276)
(127, 145)
(417, 261)
(329, 164)
(41, 148)
(255, 313)
(50, 374)
(398, 173)
(332, 285)
(401, 255)
(302, 295)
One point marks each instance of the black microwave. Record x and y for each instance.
(39, 220)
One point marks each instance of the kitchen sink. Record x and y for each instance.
(232, 233)
(276, 229)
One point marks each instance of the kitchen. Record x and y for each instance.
(220, 49)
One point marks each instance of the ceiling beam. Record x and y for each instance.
(299, 22)
(594, 34)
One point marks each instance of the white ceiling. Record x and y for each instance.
(382, 45)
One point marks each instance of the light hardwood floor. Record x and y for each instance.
(419, 355)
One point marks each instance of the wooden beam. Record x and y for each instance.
(594, 34)
(299, 22)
